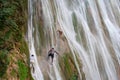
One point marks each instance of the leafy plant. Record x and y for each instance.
(8, 35)
(74, 77)
(67, 65)
(12, 21)
(4, 61)
(23, 70)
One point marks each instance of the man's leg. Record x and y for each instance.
(33, 68)
(48, 56)
(52, 59)
(52, 56)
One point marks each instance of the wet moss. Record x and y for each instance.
(80, 66)
(68, 67)
(13, 73)
(24, 48)
(22, 70)
(74, 77)
(74, 20)
(4, 62)
(67, 64)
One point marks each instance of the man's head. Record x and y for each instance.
(52, 48)
(32, 55)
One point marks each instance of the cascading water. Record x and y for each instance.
(90, 27)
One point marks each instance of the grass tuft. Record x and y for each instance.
(22, 71)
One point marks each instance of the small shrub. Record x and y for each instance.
(23, 70)
(4, 61)
(74, 77)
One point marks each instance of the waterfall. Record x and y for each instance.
(91, 30)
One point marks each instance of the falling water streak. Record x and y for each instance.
(85, 27)
(116, 9)
(110, 11)
(106, 50)
(61, 22)
(50, 73)
(58, 16)
(116, 3)
(49, 20)
(57, 69)
(95, 42)
(114, 34)
(78, 51)
(107, 61)
(109, 26)
(88, 37)
(76, 63)
(37, 75)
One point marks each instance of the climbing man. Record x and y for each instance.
(60, 32)
(51, 53)
(32, 61)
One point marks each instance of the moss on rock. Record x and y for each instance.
(68, 67)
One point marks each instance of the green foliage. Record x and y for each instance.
(7, 10)
(8, 35)
(67, 65)
(74, 77)
(12, 21)
(23, 70)
(13, 73)
(12, 24)
(1, 41)
(5, 40)
(24, 48)
(8, 17)
(4, 61)
(74, 20)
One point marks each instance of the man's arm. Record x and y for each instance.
(56, 52)
(49, 51)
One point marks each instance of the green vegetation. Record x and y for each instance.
(74, 20)
(4, 60)
(24, 48)
(68, 67)
(13, 20)
(67, 64)
(10, 31)
(23, 70)
(74, 77)
(13, 73)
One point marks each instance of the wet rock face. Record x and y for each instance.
(67, 67)
(65, 59)
(62, 44)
